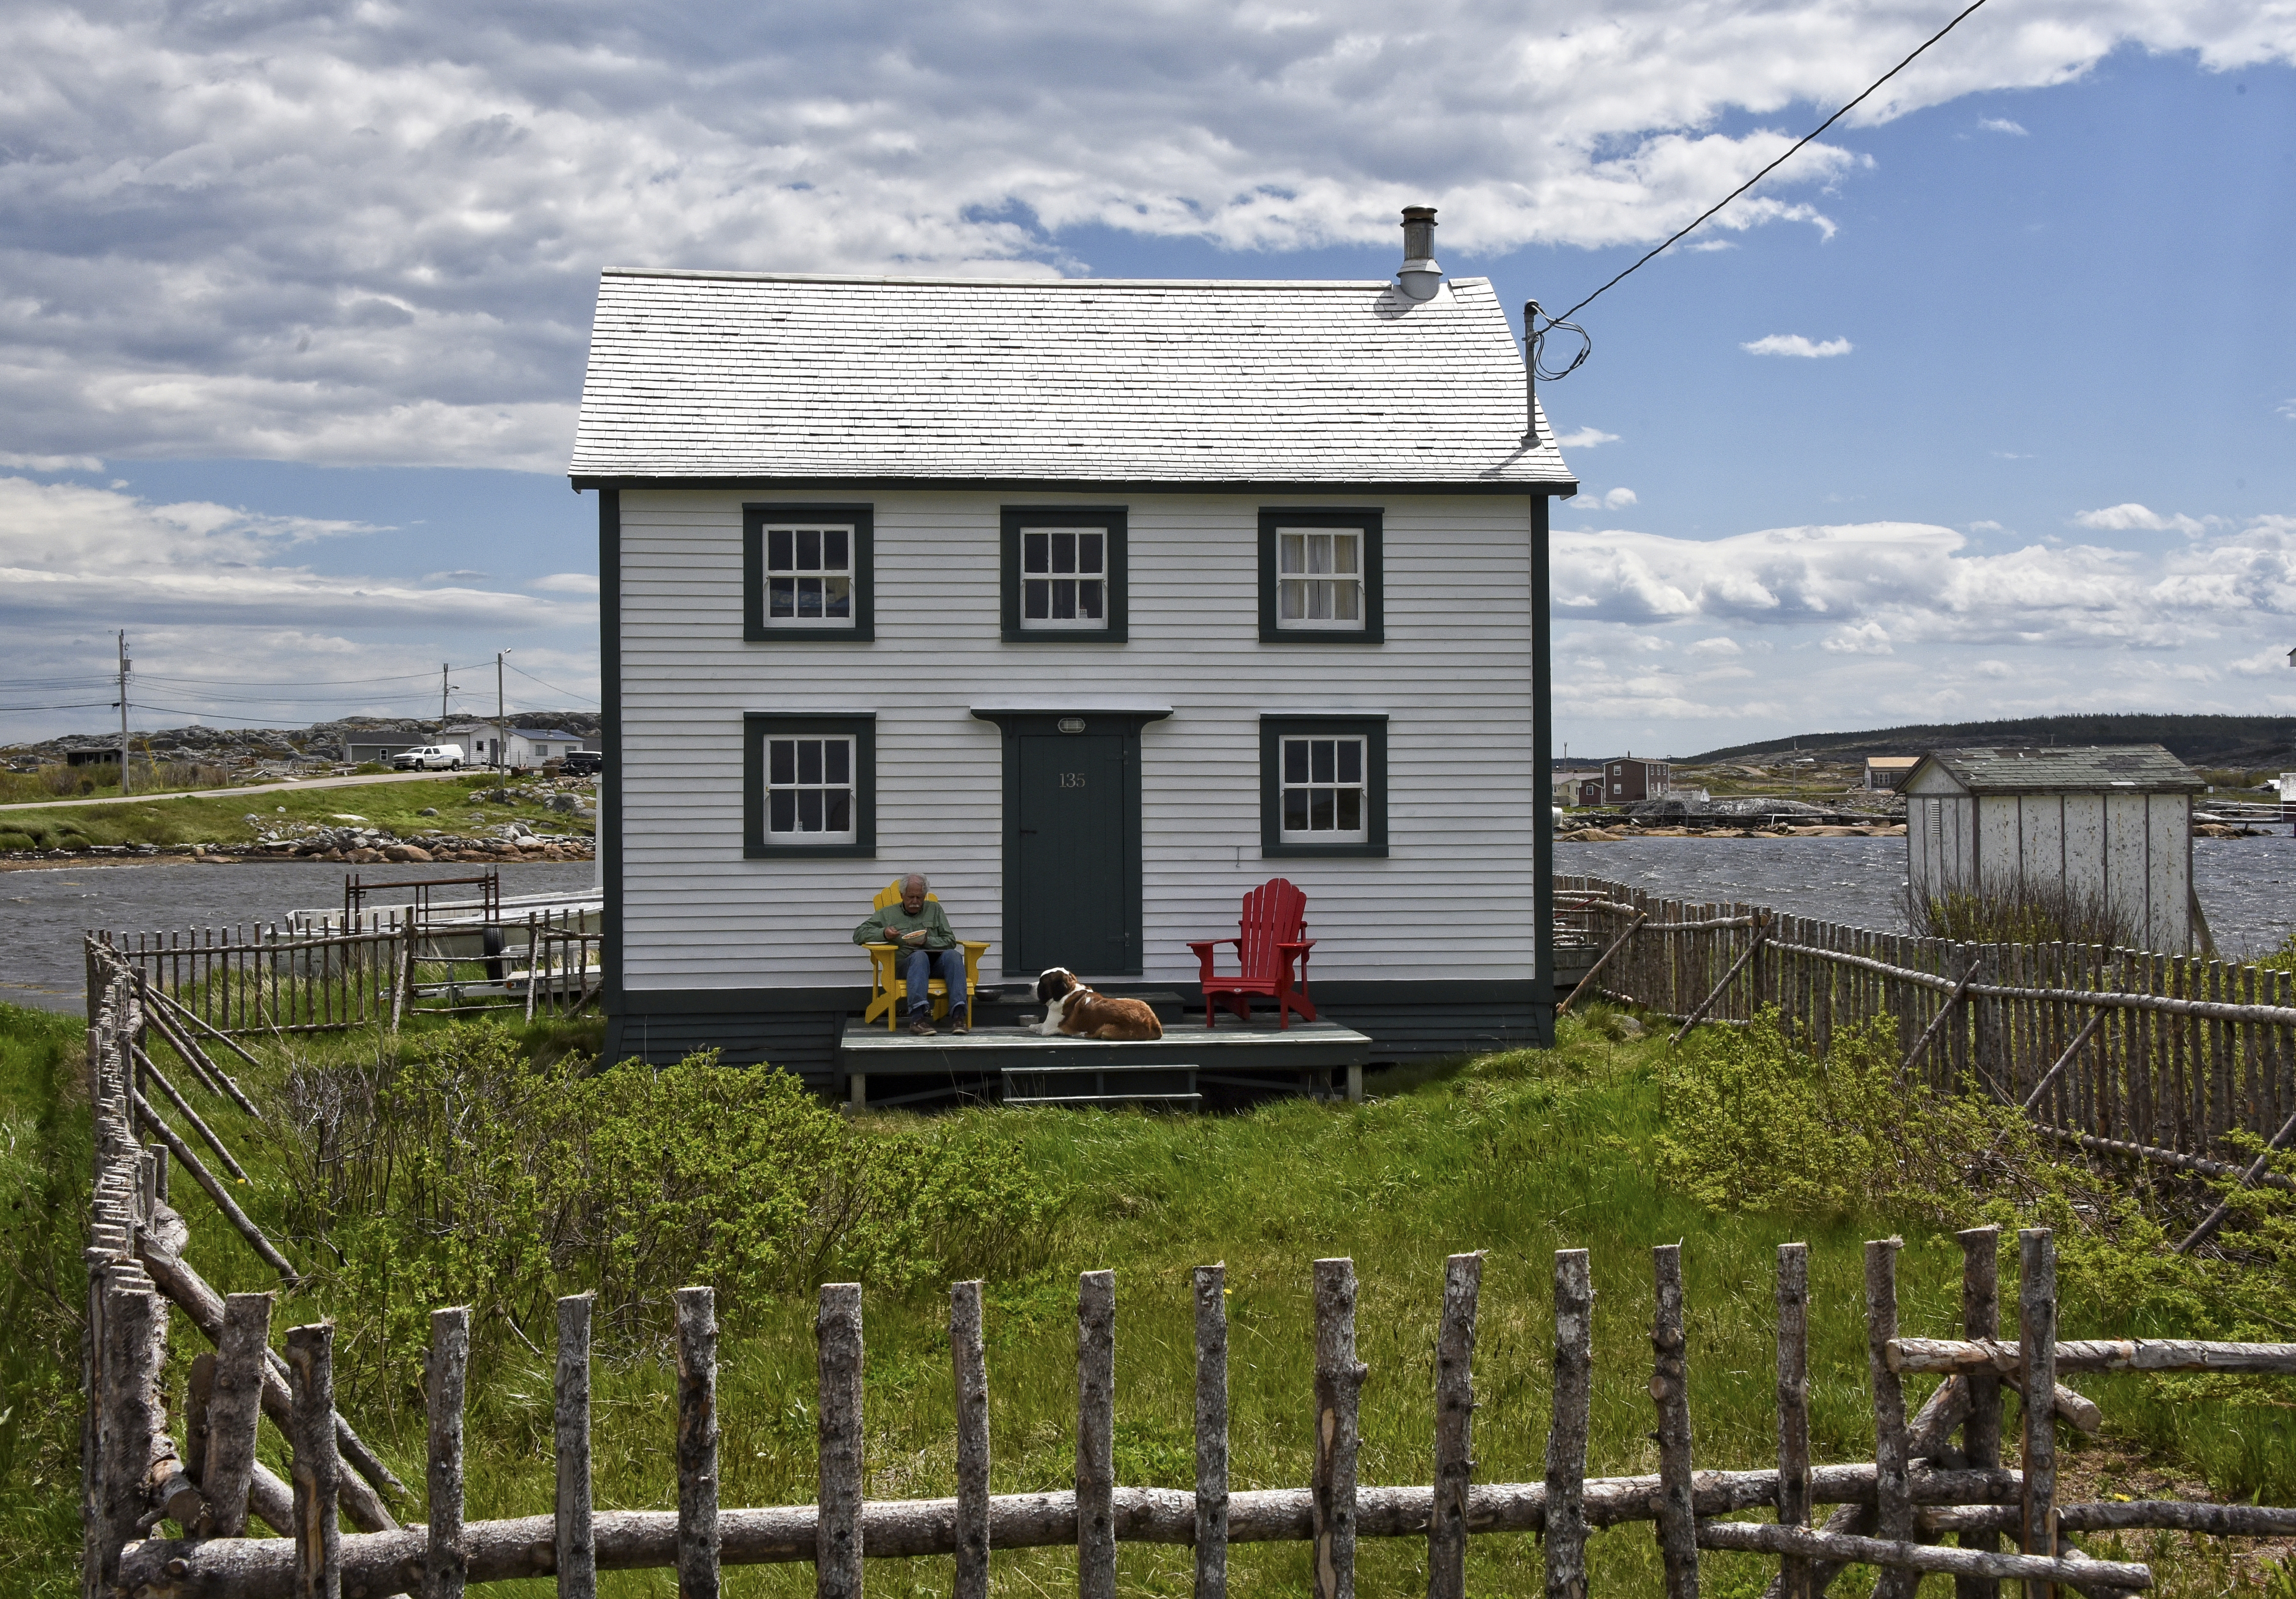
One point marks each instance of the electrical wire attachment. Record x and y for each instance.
(1532, 316)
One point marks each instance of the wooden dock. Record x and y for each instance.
(1242, 1060)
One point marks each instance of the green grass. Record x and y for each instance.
(221, 819)
(1517, 1155)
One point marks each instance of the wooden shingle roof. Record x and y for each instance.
(2134, 769)
(740, 378)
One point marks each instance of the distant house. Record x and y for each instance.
(2113, 824)
(93, 757)
(491, 743)
(360, 745)
(1625, 780)
(1590, 790)
(1889, 772)
(531, 746)
(1100, 602)
(484, 743)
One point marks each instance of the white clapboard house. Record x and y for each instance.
(1101, 602)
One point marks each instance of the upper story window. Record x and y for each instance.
(1064, 574)
(1064, 577)
(807, 572)
(1320, 577)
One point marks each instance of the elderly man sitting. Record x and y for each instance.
(928, 949)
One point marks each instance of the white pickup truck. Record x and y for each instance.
(430, 758)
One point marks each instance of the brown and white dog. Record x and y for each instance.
(1072, 1008)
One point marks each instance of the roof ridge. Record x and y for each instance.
(727, 275)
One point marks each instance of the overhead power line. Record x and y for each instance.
(1710, 212)
(552, 687)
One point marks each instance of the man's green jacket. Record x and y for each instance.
(886, 926)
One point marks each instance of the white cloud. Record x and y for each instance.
(1619, 498)
(2134, 518)
(2287, 408)
(368, 234)
(1997, 670)
(1720, 644)
(2001, 125)
(1865, 638)
(1985, 526)
(1794, 344)
(568, 583)
(13, 461)
(1586, 439)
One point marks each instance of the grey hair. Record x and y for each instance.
(917, 877)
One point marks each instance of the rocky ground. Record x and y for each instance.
(255, 746)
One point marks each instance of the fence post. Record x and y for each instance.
(1981, 1435)
(134, 1348)
(446, 1562)
(697, 1443)
(577, 1552)
(1893, 1503)
(235, 1406)
(1566, 1435)
(1455, 1427)
(1677, 1531)
(1794, 1409)
(1212, 1432)
(2036, 1342)
(1339, 1383)
(837, 1540)
(1096, 1467)
(970, 1369)
(319, 1468)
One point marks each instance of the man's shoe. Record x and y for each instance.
(923, 1027)
(958, 1023)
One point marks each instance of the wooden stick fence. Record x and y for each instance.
(2154, 1056)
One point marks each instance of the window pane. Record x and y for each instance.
(1063, 597)
(1343, 551)
(1343, 601)
(1088, 552)
(1036, 599)
(1322, 767)
(1088, 599)
(1319, 811)
(809, 596)
(837, 597)
(1295, 811)
(1319, 552)
(809, 549)
(783, 767)
(841, 811)
(1295, 760)
(778, 546)
(1292, 553)
(1350, 810)
(1319, 602)
(837, 763)
(1036, 553)
(784, 597)
(1064, 552)
(808, 810)
(808, 760)
(784, 811)
(1291, 601)
(833, 549)
(1351, 760)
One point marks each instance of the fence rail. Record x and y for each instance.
(1923, 1484)
(2144, 1051)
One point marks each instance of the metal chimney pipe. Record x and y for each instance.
(1419, 275)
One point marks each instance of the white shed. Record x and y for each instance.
(2115, 823)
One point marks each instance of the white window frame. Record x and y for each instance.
(1051, 579)
(798, 575)
(797, 787)
(1315, 783)
(1301, 582)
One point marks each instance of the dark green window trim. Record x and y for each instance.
(1109, 519)
(756, 727)
(754, 519)
(1371, 728)
(1371, 524)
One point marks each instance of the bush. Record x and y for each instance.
(2023, 913)
(474, 1175)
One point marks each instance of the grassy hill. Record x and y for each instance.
(2199, 740)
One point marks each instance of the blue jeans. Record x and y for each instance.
(919, 966)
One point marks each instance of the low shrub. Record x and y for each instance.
(2023, 913)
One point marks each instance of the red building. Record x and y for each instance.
(1625, 780)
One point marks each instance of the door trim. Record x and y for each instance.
(1126, 725)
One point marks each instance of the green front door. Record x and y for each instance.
(1072, 871)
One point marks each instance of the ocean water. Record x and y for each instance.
(44, 912)
(2247, 886)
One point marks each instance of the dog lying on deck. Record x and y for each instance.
(1076, 1011)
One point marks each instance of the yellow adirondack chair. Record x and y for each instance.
(888, 989)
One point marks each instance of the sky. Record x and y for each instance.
(1983, 404)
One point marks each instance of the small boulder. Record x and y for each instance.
(407, 852)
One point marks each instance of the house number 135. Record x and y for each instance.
(1072, 780)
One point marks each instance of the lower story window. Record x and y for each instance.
(1322, 784)
(1323, 791)
(809, 790)
(808, 785)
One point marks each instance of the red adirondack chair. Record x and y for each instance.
(1267, 944)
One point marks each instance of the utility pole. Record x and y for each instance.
(500, 723)
(123, 710)
(445, 688)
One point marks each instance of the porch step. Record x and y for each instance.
(1103, 1084)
